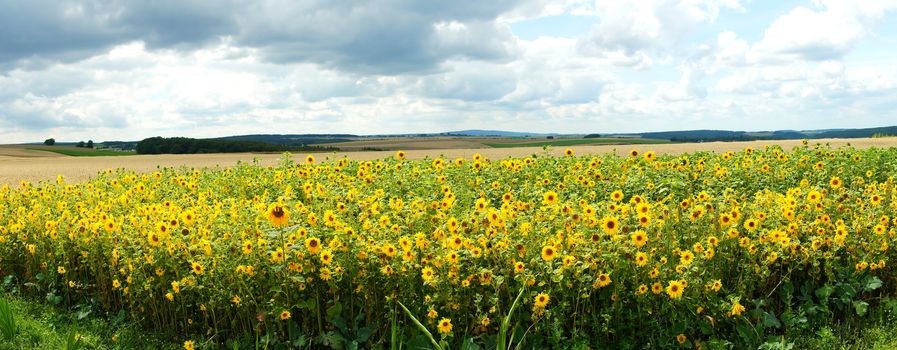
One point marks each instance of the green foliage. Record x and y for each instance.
(50, 142)
(184, 145)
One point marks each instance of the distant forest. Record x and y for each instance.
(725, 135)
(184, 145)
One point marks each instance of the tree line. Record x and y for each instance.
(185, 145)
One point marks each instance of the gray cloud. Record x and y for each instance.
(380, 37)
(47, 30)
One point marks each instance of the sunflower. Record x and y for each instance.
(641, 259)
(541, 300)
(835, 182)
(642, 289)
(188, 345)
(549, 198)
(633, 153)
(427, 274)
(445, 326)
(737, 309)
(616, 195)
(310, 159)
(568, 152)
(686, 257)
(650, 156)
(814, 196)
(313, 244)
(610, 225)
(602, 280)
(278, 215)
(162, 228)
(400, 155)
(548, 253)
(725, 220)
(326, 257)
(681, 338)
(639, 238)
(285, 315)
(196, 268)
(675, 289)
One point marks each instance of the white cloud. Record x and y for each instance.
(411, 66)
(637, 32)
(828, 32)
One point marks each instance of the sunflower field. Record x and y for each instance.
(661, 251)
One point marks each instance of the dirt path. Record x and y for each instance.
(25, 165)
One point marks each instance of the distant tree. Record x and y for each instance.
(550, 137)
(80, 144)
(592, 136)
(50, 141)
(89, 143)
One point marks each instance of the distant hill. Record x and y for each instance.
(854, 133)
(496, 133)
(726, 135)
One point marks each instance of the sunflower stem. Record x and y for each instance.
(420, 326)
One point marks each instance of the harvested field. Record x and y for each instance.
(17, 164)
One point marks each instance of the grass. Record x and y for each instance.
(877, 334)
(87, 152)
(41, 326)
(574, 142)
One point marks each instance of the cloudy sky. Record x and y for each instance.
(126, 70)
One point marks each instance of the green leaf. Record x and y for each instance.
(82, 314)
(872, 283)
(770, 320)
(469, 345)
(824, 292)
(363, 334)
(860, 307)
(335, 310)
(745, 332)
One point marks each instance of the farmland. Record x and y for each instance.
(623, 246)
(17, 163)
